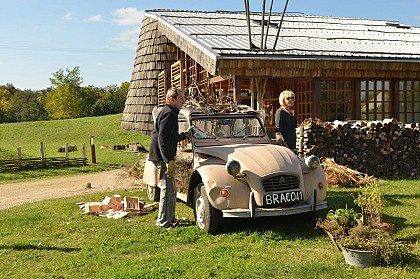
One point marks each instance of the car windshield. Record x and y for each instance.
(227, 127)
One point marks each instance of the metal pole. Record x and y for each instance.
(280, 23)
(248, 22)
(268, 24)
(262, 24)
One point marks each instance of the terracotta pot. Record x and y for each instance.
(359, 258)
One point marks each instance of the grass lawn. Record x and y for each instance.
(56, 133)
(52, 239)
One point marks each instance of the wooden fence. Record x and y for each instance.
(42, 162)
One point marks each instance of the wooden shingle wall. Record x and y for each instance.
(154, 54)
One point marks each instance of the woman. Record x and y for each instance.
(286, 122)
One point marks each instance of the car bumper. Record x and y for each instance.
(254, 211)
(265, 212)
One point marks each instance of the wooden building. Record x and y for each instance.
(339, 68)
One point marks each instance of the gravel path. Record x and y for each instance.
(14, 194)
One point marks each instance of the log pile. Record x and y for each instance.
(385, 149)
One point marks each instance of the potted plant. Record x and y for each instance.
(369, 245)
(370, 201)
(338, 223)
(361, 236)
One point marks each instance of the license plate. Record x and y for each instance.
(286, 198)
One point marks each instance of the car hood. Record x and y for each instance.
(260, 159)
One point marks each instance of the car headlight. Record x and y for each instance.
(312, 162)
(233, 167)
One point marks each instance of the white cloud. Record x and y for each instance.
(128, 16)
(68, 16)
(95, 18)
(128, 39)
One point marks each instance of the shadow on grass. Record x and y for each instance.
(22, 247)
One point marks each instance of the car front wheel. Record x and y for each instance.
(207, 218)
(153, 193)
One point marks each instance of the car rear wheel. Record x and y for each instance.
(207, 218)
(153, 193)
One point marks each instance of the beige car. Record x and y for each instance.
(230, 169)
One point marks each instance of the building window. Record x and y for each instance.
(375, 99)
(336, 100)
(304, 100)
(409, 101)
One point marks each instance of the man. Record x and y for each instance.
(162, 153)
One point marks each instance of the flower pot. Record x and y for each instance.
(359, 258)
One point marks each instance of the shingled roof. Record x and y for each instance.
(223, 35)
(219, 42)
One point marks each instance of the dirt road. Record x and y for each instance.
(14, 194)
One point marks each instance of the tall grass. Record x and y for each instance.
(53, 239)
(56, 133)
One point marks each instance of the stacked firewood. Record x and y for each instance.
(385, 149)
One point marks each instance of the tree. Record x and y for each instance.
(70, 78)
(112, 100)
(67, 98)
(6, 93)
(27, 106)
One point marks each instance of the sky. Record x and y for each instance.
(40, 37)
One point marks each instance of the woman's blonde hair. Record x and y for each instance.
(284, 95)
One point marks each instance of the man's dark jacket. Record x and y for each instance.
(165, 135)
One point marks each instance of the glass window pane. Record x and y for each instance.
(349, 110)
(386, 85)
(371, 85)
(331, 96)
(323, 96)
(402, 107)
(379, 108)
(340, 97)
(401, 97)
(402, 85)
(409, 96)
(323, 84)
(363, 85)
(331, 85)
(409, 85)
(340, 85)
(417, 85)
(332, 109)
(402, 117)
(363, 96)
(417, 117)
(348, 85)
(379, 85)
(387, 107)
(416, 96)
(387, 96)
(371, 96)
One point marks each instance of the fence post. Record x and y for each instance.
(92, 150)
(42, 153)
(19, 157)
(67, 154)
(84, 153)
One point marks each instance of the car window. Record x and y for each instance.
(234, 127)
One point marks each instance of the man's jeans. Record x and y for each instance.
(167, 201)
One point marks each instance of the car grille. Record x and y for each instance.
(281, 183)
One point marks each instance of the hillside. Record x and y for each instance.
(56, 133)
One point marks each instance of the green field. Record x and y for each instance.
(56, 133)
(52, 239)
